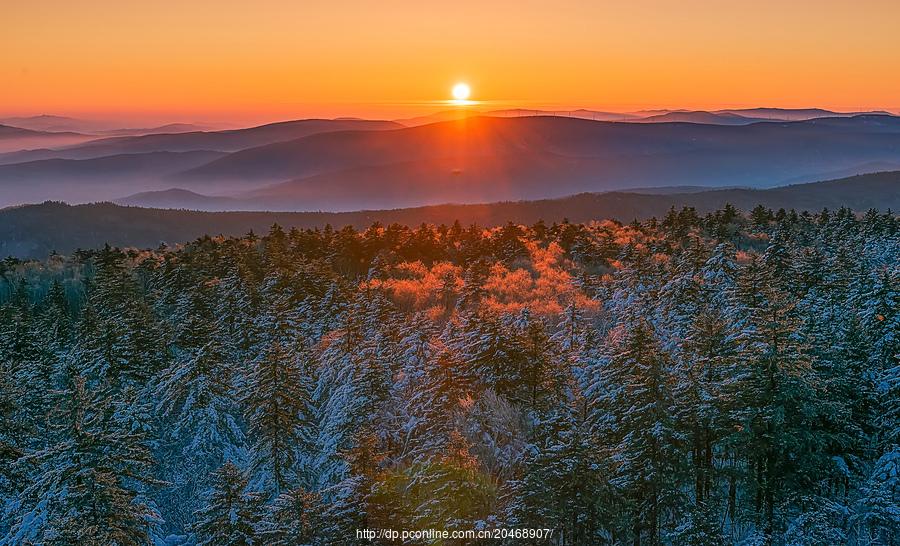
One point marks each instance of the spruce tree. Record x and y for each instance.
(196, 398)
(646, 446)
(276, 406)
(231, 515)
(89, 490)
(294, 518)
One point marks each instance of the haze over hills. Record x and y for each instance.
(489, 159)
(164, 129)
(462, 113)
(348, 164)
(221, 141)
(719, 118)
(795, 114)
(51, 123)
(17, 138)
(176, 198)
(103, 177)
(716, 117)
(36, 230)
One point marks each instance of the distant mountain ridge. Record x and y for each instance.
(465, 112)
(221, 141)
(9, 131)
(17, 138)
(489, 159)
(347, 164)
(711, 118)
(104, 177)
(177, 198)
(53, 123)
(797, 114)
(716, 117)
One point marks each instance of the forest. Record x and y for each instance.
(37, 230)
(703, 380)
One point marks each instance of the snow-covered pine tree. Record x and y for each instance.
(13, 434)
(196, 400)
(701, 324)
(644, 443)
(348, 502)
(779, 404)
(294, 518)
(540, 375)
(232, 513)
(474, 279)
(277, 410)
(876, 518)
(55, 318)
(448, 491)
(128, 340)
(357, 366)
(564, 452)
(492, 353)
(90, 478)
(700, 527)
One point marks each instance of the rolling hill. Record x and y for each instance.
(351, 164)
(488, 159)
(17, 138)
(795, 114)
(462, 113)
(177, 198)
(181, 141)
(102, 178)
(720, 118)
(46, 122)
(36, 230)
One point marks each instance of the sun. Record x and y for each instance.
(461, 91)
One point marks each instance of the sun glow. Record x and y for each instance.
(461, 92)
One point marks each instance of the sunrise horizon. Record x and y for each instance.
(156, 62)
(356, 273)
(393, 111)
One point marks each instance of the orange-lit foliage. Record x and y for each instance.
(415, 286)
(544, 283)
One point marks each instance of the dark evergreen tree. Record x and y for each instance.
(196, 398)
(734, 381)
(276, 405)
(92, 477)
(232, 514)
(646, 446)
(293, 519)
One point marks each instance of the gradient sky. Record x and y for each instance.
(274, 59)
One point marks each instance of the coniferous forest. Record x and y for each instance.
(725, 379)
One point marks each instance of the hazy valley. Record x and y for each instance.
(456, 157)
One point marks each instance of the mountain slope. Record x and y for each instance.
(721, 118)
(177, 198)
(220, 141)
(470, 160)
(18, 138)
(479, 159)
(53, 123)
(102, 178)
(794, 114)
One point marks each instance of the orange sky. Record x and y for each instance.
(208, 60)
